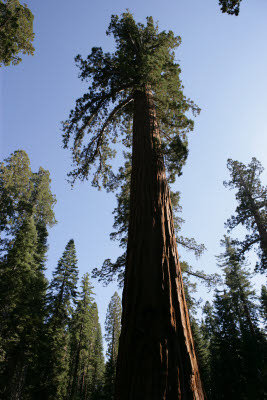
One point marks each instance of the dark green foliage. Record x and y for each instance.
(16, 31)
(82, 339)
(63, 287)
(24, 193)
(143, 58)
(230, 7)
(62, 294)
(236, 345)
(112, 335)
(22, 301)
(26, 204)
(251, 211)
(263, 309)
(203, 354)
(97, 360)
(48, 347)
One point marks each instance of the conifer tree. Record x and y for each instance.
(97, 360)
(62, 294)
(92, 361)
(112, 335)
(22, 302)
(252, 207)
(82, 334)
(207, 328)
(24, 193)
(141, 80)
(26, 204)
(263, 307)
(236, 340)
(203, 354)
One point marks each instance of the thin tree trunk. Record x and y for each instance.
(156, 359)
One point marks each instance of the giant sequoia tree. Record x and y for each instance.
(137, 91)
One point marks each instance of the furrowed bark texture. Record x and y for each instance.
(156, 359)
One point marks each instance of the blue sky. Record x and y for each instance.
(224, 63)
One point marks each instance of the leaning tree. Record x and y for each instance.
(135, 95)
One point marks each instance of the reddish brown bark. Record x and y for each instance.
(156, 359)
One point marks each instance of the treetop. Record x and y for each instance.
(144, 59)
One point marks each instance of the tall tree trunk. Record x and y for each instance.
(156, 359)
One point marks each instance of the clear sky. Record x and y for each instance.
(224, 63)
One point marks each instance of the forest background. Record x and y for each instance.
(224, 62)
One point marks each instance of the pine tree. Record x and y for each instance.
(97, 360)
(112, 335)
(236, 340)
(156, 353)
(252, 207)
(62, 293)
(22, 301)
(203, 354)
(82, 339)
